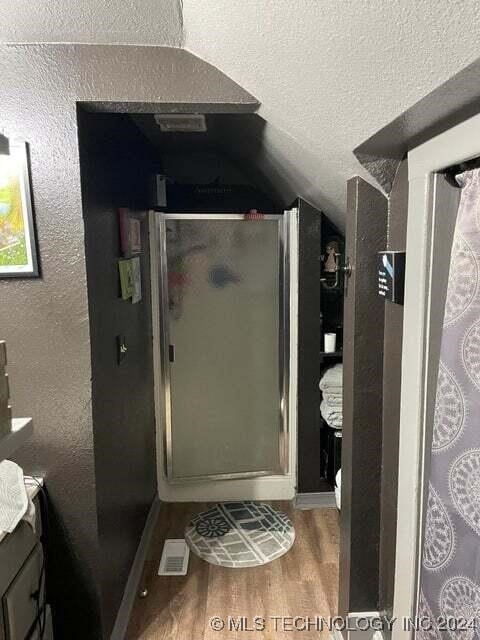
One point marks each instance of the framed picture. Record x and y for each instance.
(18, 249)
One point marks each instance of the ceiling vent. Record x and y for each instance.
(181, 122)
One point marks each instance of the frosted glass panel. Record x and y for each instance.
(224, 332)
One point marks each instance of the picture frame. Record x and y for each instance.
(18, 243)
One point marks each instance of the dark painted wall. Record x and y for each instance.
(454, 101)
(45, 321)
(115, 165)
(362, 393)
(45, 324)
(392, 370)
(309, 347)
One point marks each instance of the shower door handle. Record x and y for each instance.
(171, 352)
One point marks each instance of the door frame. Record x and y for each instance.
(278, 483)
(456, 145)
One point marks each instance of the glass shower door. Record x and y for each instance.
(224, 340)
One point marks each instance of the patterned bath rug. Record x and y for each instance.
(240, 534)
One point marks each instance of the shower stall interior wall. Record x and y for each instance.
(221, 315)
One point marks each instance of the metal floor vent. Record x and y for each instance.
(174, 561)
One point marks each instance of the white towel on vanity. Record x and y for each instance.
(15, 504)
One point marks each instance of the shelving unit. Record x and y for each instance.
(331, 307)
(328, 355)
(320, 310)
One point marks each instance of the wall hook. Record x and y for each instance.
(346, 269)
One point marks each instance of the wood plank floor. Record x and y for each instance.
(302, 583)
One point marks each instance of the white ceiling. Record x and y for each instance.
(330, 73)
(156, 22)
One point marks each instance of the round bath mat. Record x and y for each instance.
(240, 534)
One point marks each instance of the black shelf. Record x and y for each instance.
(331, 451)
(331, 354)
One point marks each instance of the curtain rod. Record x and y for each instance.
(455, 169)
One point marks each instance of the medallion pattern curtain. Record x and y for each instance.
(450, 571)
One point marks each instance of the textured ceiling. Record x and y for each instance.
(156, 22)
(330, 73)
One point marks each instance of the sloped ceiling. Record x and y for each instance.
(156, 22)
(234, 139)
(329, 74)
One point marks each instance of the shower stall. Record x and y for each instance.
(224, 349)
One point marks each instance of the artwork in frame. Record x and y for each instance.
(18, 250)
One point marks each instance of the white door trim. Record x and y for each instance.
(281, 487)
(458, 144)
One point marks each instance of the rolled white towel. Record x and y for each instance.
(335, 423)
(332, 415)
(333, 400)
(334, 391)
(332, 378)
(330, 410)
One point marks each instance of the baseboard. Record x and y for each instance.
(131, 588)
(364, 626)
(317, 500)
(263, 488)
(360, 633)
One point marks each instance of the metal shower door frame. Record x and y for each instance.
(283, 346)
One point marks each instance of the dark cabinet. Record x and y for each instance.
(22, 584)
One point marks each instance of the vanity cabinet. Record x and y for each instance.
(22, 581)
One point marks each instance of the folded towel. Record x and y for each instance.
(335, 424)
(14, 501)
(333, 399)
(332, 415)
(332, 378)
(334, 391)
(329, 410)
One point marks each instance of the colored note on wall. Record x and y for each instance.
(126, 278)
